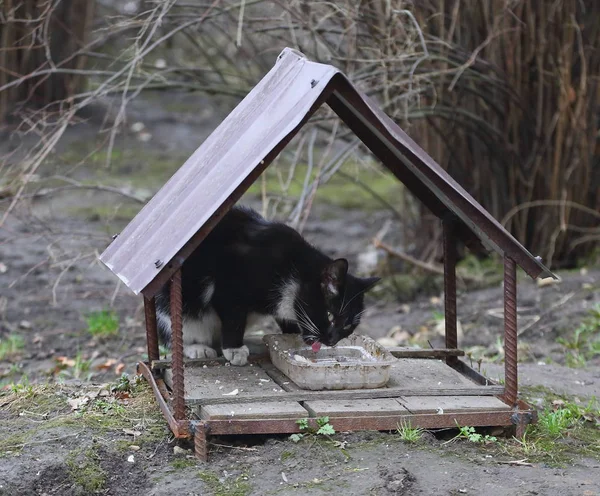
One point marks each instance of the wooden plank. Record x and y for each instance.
(353, 394)
(220, 380)
(200, 362)
(475, 376)
(355, 423)
(248, 411)
(279, 377)
(405, 352)
(355, 408)
(452, 404)
(427, 375)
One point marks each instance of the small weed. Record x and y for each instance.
(109, 407)
(103, 324)
(10, 346)
(125, 384)
(409, 434)
(324, 428)
(530, 446)
(302, 424)
(22, 388)
(556, 423)
(469, 433)
(585, 342)
(77, 368)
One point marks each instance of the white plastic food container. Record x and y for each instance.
(356, 362)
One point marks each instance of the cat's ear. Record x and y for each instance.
(333, 277)
(368, 282)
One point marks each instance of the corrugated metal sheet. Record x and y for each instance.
(183, 212)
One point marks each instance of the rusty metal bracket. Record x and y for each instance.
(200, 430)
(521, 419)
(180, 428)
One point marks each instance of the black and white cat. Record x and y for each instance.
(248, 267)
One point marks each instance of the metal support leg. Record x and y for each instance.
(201, 441)
(510, 331)
(449, 242)
(151, 330)
(177, 346)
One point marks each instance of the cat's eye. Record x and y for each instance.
(329, 316)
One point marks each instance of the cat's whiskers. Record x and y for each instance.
(351, 299)
(309, 321)
(358, 316)
(305, 324)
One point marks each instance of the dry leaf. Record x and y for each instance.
(547, 281)
(119, 368)
(66, 361)
(131, 432)
(107, 365)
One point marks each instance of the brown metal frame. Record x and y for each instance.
(449, 246)
(423, 178)
(173, 405)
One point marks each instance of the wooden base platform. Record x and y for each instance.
(259, 391)
(259, 399)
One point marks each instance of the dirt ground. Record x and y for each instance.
(55, 441)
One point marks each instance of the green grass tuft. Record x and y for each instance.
(103, 323)
(11, 345)
(556, 423)
(584, 344)
(409, 434)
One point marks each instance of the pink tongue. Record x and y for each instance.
(316, 346)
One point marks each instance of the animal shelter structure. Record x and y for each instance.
(428, 388)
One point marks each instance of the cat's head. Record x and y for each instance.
(331, 311)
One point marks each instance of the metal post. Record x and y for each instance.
(449, 243)
(510, 331)
(201, 441)
(151, 331)
(177, 346)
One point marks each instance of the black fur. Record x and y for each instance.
(249, 261)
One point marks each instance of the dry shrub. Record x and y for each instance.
(504, 94)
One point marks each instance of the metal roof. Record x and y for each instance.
(174, 222)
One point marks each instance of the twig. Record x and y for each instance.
(241, 448)
(96, 187)
(553, 307)
(436, 269)
(43, 441)
(520, 463)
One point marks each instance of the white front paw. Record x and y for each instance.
(199, 351)
(237, 356)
